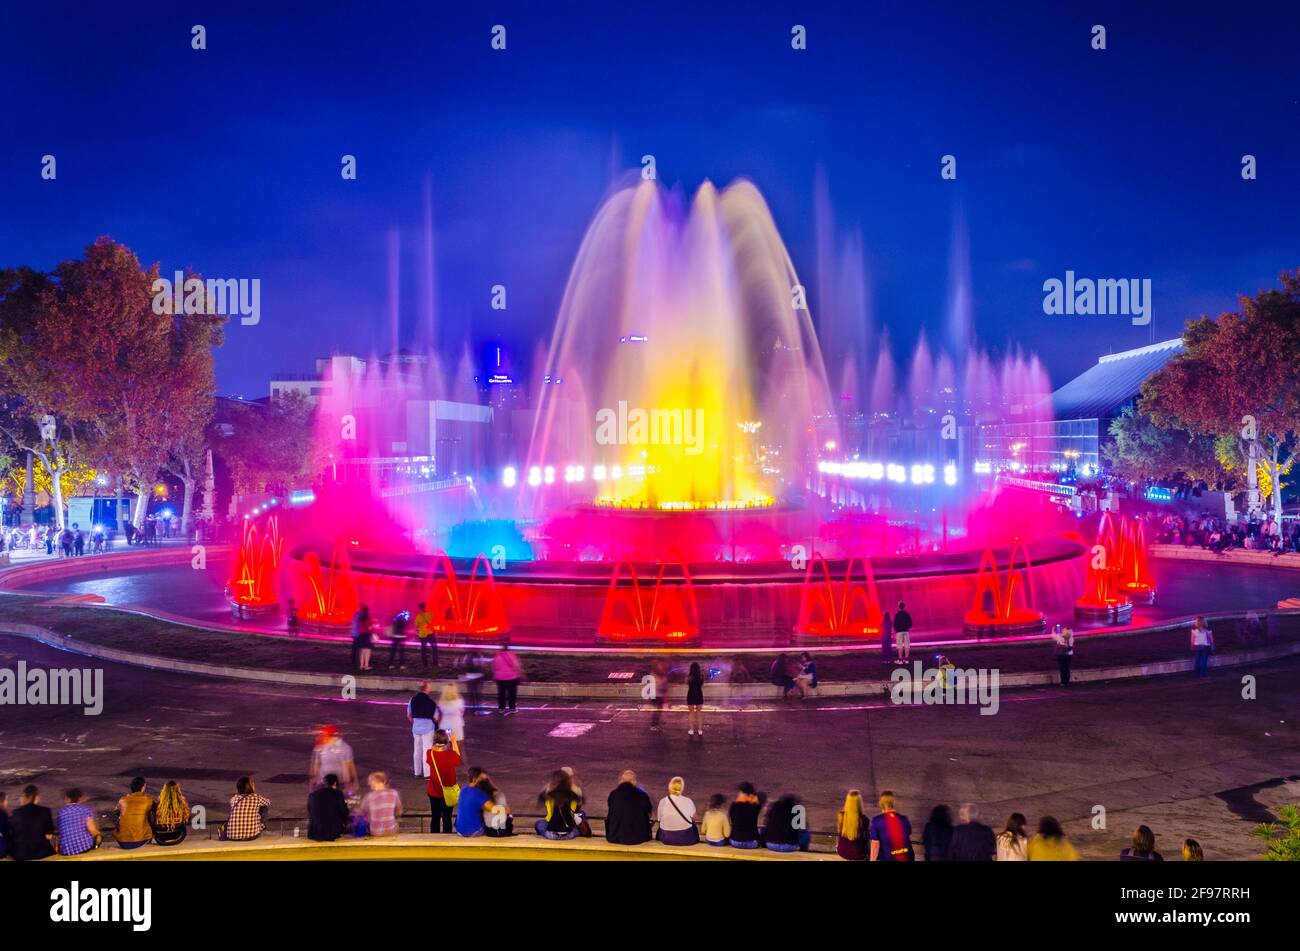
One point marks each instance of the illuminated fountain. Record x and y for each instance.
(681, 415)
(666, 616)
(472, 609)
(1105, 597)
(1135, 576)
(1004, 603)
(848, 608)
(328, 595)
(251, 588)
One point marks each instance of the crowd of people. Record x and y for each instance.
(1220, 535)
(476, 806)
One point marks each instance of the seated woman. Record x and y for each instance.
(783, 833)
(247, 813)
(744, 814)
(677, 816)
(381, 808)
(171, 815)
(563, 808)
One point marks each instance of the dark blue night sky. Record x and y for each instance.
(1122, 163)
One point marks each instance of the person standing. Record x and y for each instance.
(360, 624)
(442, 788)
(425, 634)
(134, 825)
(423, 715)
(31, 827)
(887, 639)
(1063, 646)
(452, 721)
(890, 832)
(658, 691)
(327, 811)
(695, 701)
(972, 840)
(332, 755)
(627, 816)
(903, 633)
(1202, 645)
(397, 640)
(506, 671)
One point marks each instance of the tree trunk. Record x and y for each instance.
(141, 501)
(1253, 504)
(121, 502)
(187, 507)
(1276, 475)
(56, 496)
(29, 495)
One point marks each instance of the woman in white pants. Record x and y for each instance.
(452, 707)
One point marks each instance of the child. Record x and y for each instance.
(716, 824)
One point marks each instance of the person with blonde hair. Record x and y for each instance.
(381, 807)
(852, 843)
(171, 815)
(1192, 851)
(452, 707)
(890, 833)
(1012, 840)
(677, 816)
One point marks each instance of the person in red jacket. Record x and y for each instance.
(443, 789)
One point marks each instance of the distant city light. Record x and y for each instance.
(535, 476)
(548, 475)
(509, 477)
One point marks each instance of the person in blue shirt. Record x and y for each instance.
(469, 808)
(78, 831)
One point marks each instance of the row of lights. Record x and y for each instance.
(920, 473)
(545, 475)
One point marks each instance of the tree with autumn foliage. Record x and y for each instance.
(1238, 377)
(128, 385)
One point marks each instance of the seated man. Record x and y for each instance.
(327, 812)
(78, 831)
(134, 827)
(31, 827)
(627, 819)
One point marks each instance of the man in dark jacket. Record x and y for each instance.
(972, 841)
(327, 812)
(627, 819)
(31, 827)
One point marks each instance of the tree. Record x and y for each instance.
(1237, 376)
(47, 412)
(273, 444)
(1140, 450)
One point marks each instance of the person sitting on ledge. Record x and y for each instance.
(627, 817)
(744, 814)
(677, 816)
(247, 813)
(133, 811)
(327, 811)
(563, 808)
(787, 826)
(78, 832)
(171, 819)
